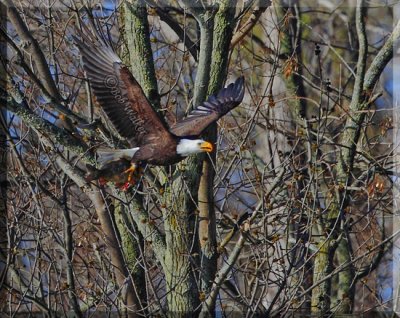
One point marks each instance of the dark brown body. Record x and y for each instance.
(160, 153)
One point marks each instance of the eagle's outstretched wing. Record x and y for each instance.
(210, 111)
(117, 91)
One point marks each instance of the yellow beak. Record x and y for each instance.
(206, 146)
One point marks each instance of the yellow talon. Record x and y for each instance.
(130, 172)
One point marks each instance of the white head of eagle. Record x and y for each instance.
(188, 147)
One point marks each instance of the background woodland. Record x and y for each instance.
(294, 213)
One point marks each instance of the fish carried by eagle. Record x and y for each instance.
(126, 106)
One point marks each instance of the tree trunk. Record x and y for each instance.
(140, 54)
(223, 31)
(180, 264)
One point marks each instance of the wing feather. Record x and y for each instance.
(117, 91)
(210, 111)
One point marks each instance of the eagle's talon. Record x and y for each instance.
(130, 172)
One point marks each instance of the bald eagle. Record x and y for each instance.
(126, 106)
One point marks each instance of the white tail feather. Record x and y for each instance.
(108, 155)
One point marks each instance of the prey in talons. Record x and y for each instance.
(121, 172)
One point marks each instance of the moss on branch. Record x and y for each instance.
(54, 133)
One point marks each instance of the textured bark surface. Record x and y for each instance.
(115, 249)
(180, 262)
(132, 245)
(222, 35)
(140, 53)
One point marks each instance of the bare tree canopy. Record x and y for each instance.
(291, 212)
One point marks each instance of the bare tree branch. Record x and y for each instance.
(251, 22)
(57, 135)
(183, 36)
(34, 49)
